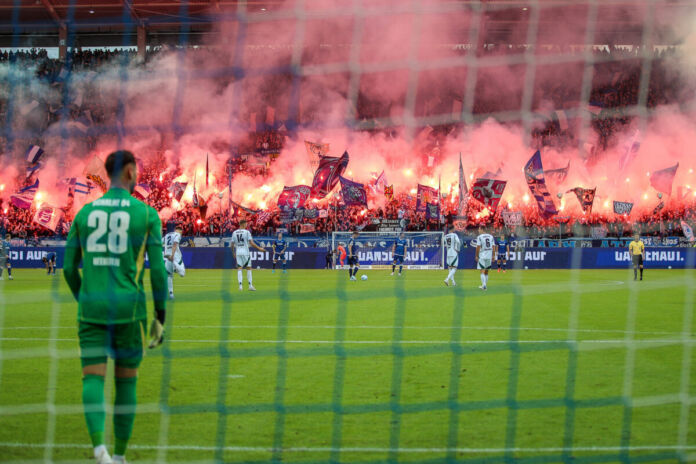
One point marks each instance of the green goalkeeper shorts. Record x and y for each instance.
(122, 342)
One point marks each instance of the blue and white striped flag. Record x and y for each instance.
(84, 188)
(34, 153)
(30, 189)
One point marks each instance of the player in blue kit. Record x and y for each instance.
(502, 253)
(50, 262)
(5, 262)
(353, 263)
(399, 252)
(279, 247)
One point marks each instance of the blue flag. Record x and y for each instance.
(534, 172)
(353, 193)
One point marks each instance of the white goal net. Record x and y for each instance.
(424, 250)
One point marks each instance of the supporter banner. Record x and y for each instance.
(315, 151)
(294, 197)
(534, 172)
(390, 225)
(460, 223)
(688, 231)
(585, 197)
(598, 232)
(314, 258)
(307, 228)
(488, 192)
(177, 190)
(512, 218)
(48, 217)
(426, 196)
(96, 172)
(353, 193)
(622, 207)
(327, 174)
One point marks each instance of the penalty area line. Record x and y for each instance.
(364, 449)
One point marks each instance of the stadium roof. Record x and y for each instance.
(113, 22)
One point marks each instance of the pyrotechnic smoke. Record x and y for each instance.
(319, 62)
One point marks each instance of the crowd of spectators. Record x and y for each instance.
(616, 87)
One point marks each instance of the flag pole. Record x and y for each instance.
(439, 201)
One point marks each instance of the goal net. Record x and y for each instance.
(230, 105)
(424, 250)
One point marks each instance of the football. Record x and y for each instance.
(363, 277)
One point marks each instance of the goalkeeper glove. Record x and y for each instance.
(157, 329)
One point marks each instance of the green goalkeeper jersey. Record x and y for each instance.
(110, 237)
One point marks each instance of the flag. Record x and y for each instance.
(33, 154)
(194, 198)
(488, 192)
(353, 193)
(688, 231)
(534, 172)
(24, 198)
(48, 217)
(307, 228)
(327, 174)
(662, 180)
(263, 218)
(177, 189)
(585, 197)
(622, 207)
(32, 168)
(315, 151)
(389, 192)
(512, 218)
(463, 190)
(426, 196)
(143, 190)
(558, 175)
(96, 172)
(236, 206)
(295, 197)
(631, 150)
(206, 170)
(379, 183)
(79, 187)
(30, 189)
(659, 207)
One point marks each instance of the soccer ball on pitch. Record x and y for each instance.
(363, 277)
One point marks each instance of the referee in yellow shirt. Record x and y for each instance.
(637, 248)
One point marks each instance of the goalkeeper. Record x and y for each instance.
(110, 237)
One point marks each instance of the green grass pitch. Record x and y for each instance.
(546, 366)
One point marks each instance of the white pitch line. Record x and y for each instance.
(368, 449)
(618, 341)
(381, 327)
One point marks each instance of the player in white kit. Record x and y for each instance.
(173, 261)
(452, 247)
(241, 238)
(485, 250)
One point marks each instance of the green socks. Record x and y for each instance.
(93, 401)
(124, 413)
